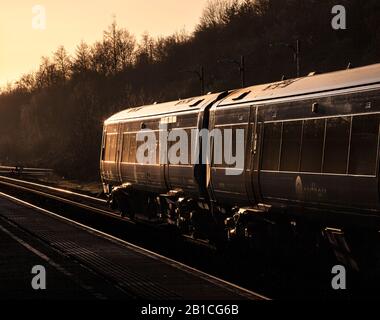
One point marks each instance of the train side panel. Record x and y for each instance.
(232, 187)
(328, 155)
(145, 176)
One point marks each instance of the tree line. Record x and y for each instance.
(53, 116)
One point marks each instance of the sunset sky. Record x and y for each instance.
(70, 21)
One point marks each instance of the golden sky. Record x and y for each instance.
(70, 21)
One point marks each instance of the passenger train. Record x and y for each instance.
(311, 158)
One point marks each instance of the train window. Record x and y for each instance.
(336, 145)
(312, 145)
(107, 147)
(103, 152)
(364, 140)
(189, 146)
(157, 147)
(229, 147)
(233, 156)
(291, 146)
(132, 148)
(272, 139)
(125, 152)
(110, 153)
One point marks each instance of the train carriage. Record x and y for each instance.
(312, 143)
(119, 165)
(310, 149)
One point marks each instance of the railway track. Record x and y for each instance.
(91, 204)
(93, 212)
(297, 273)
(19, 170)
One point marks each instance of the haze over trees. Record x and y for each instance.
(53, 117)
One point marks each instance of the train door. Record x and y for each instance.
(110, 154)
(257, 134)
(160, 156)
(164, 129)
(181, 169)
(229, 143)
(250, 154)
(103, 153)
(119, 151)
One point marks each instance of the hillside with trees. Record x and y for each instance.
(53, 117)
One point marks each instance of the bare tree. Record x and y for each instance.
(216, 12)
(46, 74)
(126, 48)
(99, 57)
(82, 58)
(145, 49)
(111, 40)
(63, 62)
(26, 83)
(120, 45)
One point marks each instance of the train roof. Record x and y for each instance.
(349, 78)
(183, 105)
(286, 88)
